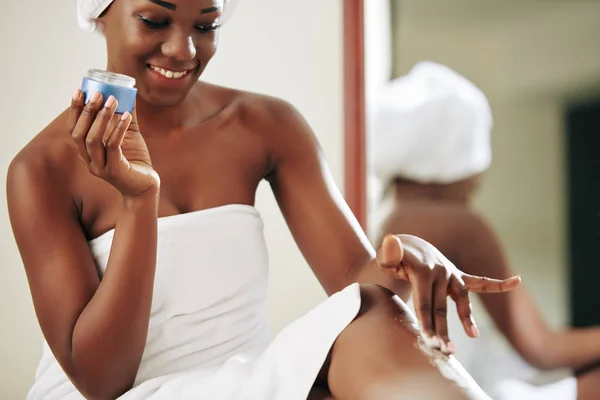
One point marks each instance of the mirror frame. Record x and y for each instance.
(354, 109)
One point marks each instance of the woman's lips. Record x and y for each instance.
(170, 77)
(170, 74)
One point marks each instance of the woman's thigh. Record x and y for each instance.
(379, 356)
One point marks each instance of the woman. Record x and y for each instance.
(148, 269)
(434, 110)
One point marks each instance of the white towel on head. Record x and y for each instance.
(88, 12)
(431, 126)
(228, 8)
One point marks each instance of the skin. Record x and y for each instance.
(90, 171)
(441, 214)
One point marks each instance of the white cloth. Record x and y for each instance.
(208, 335)
(89, 10)
(430, 126)
(565, 389)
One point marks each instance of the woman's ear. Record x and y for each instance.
(100, 21)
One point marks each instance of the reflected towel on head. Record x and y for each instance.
(88, 12)
(431, 126)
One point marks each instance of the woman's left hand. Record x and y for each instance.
(433, 277)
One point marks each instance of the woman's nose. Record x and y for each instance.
(179, 46)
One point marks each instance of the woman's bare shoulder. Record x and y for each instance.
(254, 107)
(48, 153)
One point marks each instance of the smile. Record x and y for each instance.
(168, 73)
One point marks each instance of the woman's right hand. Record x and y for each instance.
(111, 145)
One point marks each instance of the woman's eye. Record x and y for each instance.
(153, 23)
(207, 28)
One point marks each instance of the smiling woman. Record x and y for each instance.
(163, 57)
(149, 277)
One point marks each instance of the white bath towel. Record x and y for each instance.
(208, 335)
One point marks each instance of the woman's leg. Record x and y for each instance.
(377, 357)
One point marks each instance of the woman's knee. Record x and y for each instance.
(380, 302)
(384, 325)
(372, 294)
(378, 357)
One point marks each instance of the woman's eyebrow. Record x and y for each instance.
(164, 4)
(209, 10)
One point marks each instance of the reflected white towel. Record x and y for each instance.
(431, 126)
(513, 389)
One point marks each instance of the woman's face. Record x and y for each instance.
(164, 45)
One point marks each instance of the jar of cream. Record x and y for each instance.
(121, 87)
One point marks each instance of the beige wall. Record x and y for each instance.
(286, 48)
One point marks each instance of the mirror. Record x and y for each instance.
(538, 65)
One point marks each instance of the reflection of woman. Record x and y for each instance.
(145, 255)
(431, 144)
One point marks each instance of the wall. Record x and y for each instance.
(286, 48)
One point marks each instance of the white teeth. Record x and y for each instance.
(169, 74)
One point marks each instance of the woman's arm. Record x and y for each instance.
(323, 226)
(515, 313)
(336, 247)
(96, 329)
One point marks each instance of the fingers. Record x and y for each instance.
(112, 125)
(75, 110)
(423, 301)
(479, 284)
(440, 293)
(133, 125)
(94, 142)
(113, 145)
(84, 123)
(390, 254)
(460, 295)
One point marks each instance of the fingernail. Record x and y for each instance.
(447, 347)
(76, 94)
(94, 98)
(109, 102)
(474, 329)
(125, 115)
(444, 348)
(451, 348)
